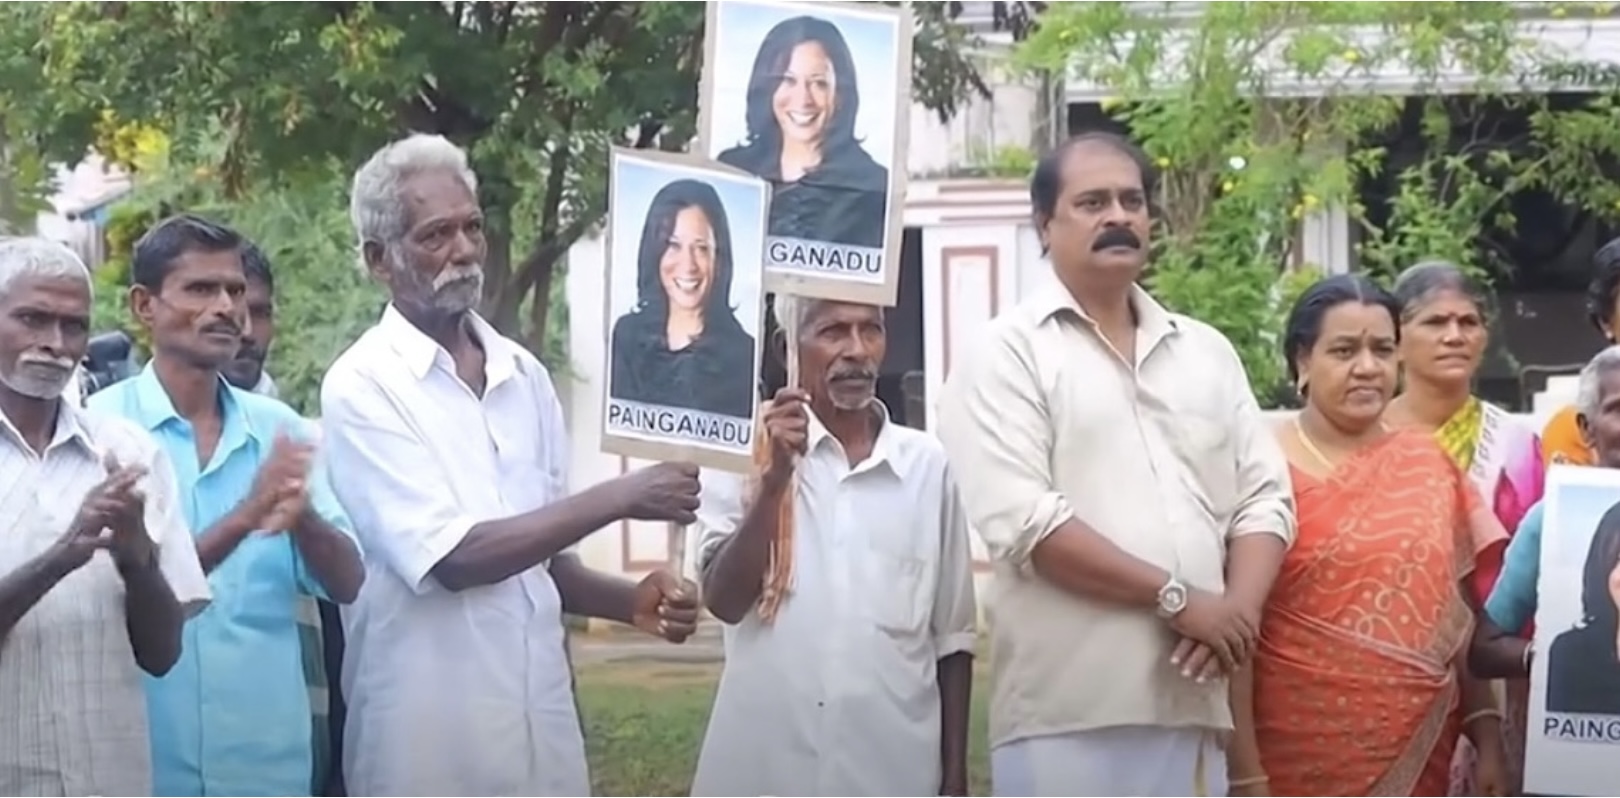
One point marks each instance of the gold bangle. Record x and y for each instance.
(1252, 781)
(1491, 712)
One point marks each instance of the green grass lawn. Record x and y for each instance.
(644, 723)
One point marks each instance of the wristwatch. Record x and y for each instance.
(1172, 598)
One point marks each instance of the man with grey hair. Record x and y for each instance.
(454, 460)
(97, 569)
(1503, 646)
(849, 660)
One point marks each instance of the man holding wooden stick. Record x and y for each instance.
(453, 455)
(843, 575)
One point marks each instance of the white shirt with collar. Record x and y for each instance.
(1169, 458)
(838, 696)
(72, 701)
(449, 693)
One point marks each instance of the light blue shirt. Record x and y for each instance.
(233, 716)
(1512, 603)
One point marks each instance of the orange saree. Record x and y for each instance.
(1354, 683)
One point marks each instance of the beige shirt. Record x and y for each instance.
(1168, 458)
(72, 699)
(882, 590)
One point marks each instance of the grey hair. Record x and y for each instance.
(1589, 392)
(375, 206)
(32, 256)
(1418, 284)
(791, 311)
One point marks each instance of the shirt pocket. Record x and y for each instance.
(1206, 447)
(897, 585)
(261, 581)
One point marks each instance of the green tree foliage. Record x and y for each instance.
(23, 176)
(1240, 172)
(537, 91)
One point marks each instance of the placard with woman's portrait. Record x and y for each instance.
(685, 309)
(816, 98)
(1572, 745)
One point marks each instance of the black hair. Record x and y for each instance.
(1418, 284)
(771, 63)
(1304, 325)
(1600, 293)
(1046, 183)
(257, 266)
(161, 246)
(1597, 606)
(660, 225)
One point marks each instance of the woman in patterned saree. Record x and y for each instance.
(1357, 687)
(1443, 339)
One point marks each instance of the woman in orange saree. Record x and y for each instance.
(1444, 332)
(1357, 686)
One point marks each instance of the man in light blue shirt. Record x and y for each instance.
(1502, 646)
(320, 623)
(233, 716)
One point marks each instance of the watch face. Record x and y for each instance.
(1173, 598)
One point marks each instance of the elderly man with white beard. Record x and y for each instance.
(97, 569)
(451, 456)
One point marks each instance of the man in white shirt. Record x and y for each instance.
(97, 568)
(858, 681)
(1134, 503)
(449, 453)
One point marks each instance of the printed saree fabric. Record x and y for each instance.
(1504, 462)
(1355, 687)
(1502, 459)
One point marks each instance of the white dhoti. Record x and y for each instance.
(1125, 761)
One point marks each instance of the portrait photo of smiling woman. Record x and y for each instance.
(807, 101)
(685, 300)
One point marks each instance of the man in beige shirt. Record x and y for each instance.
(1132, 499)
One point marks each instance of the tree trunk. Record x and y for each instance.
(540, 307)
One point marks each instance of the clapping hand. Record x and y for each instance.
(111, 516)
(131, 545)
(280, 491)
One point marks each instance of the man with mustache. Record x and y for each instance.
(97, 571)
(454, 455)
(858, 681)
(233, 717)
(1134, 503)
(246, 370)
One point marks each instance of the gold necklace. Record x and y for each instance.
(1311, 447)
